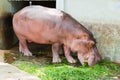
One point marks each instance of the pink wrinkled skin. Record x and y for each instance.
(51, 26)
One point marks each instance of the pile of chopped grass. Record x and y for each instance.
(104, 70)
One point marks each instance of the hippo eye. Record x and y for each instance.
(85, 36)
(78, 38)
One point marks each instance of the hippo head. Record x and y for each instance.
(87, 51)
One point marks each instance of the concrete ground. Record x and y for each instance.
(9, 72)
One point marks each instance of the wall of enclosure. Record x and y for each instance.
(102, 18)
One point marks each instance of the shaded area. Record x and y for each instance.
(7, 37)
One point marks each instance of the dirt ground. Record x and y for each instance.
(38, 51)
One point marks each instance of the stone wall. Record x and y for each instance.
(108, 39)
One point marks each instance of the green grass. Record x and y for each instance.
(104, 70)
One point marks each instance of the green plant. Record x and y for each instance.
(104, 70)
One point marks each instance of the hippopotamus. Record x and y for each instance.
(45, 25)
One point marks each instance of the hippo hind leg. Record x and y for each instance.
(55, 52)
(23, 48)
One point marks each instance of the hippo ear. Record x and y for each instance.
(91, 43)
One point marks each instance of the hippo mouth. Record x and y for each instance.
(94, 57)
(86, 60)
(91, 58)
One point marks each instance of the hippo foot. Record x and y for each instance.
(56, 60)
(71, 60)
(26, 53)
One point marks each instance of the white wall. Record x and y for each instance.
(92, 10)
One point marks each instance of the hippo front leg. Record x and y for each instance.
(68, 56)
(55, 52)
(81, 58)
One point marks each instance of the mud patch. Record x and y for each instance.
(8, 56)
